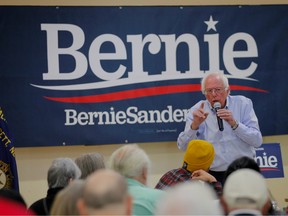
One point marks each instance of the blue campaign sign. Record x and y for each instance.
(100, 75)
(269, 159)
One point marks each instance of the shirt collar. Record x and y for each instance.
(134, 182)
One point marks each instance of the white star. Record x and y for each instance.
(211, 24)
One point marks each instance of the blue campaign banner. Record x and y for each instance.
(101, 75)
(269, 159)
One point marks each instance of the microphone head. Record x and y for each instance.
(217, 105)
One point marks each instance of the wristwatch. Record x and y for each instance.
(235, 125)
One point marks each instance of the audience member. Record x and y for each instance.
(105, 193)
(13, 203)
(245, 193)
(239, 163)
(11, 207)
(66, 200)
(60, 174)
(13, 195)
(198, 157)
(189, 198)
(133, 163)
(88, 163)
(246, 162)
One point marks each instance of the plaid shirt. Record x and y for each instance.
(175, 176)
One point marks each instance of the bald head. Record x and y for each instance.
(105, 192)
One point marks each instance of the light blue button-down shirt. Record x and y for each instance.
(228, 144)
(144, 198)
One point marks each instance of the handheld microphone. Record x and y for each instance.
(217, 106)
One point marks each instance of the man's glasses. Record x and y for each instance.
(215, 90)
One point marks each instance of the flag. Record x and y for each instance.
(8, 166)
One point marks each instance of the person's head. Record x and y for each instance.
(199, 155)
(66, 200)
(189, 198)
(215, 87)
(61, 172)
(246, 189)
(240, 163)
(105, 193)
(88, 163)
(131, 162)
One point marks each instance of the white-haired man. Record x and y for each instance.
(133, 163)
(240, 134)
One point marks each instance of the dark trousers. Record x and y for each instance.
(219, 175)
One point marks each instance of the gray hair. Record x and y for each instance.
(61, 172)
(216, 74)
(129, 160)
(88, 163)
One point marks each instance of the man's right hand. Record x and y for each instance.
(199, 116)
